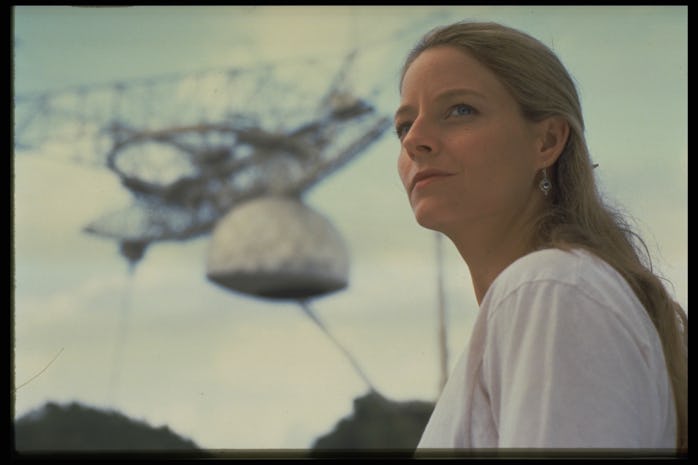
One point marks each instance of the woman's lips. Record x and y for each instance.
(424, 178)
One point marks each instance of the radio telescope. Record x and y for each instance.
(228, 153)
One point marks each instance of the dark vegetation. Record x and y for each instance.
(73, 427)
(377, 425)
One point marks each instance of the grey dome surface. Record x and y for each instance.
(277, 247)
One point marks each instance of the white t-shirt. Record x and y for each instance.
(562, 355)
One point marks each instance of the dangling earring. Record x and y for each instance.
(545, 185)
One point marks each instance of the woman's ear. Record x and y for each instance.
(554, 132)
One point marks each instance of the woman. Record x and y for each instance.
(577, 342)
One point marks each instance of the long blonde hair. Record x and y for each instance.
(577, 217)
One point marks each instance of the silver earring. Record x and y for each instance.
(545, 185)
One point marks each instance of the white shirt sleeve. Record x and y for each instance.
(565, 369)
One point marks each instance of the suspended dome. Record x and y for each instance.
(277, 247)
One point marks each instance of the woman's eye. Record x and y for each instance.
(461, 110)
(401, 130)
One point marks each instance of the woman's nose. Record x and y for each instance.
(419, 139)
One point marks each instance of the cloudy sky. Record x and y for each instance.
(166, 346)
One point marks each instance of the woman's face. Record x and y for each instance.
(467, 155)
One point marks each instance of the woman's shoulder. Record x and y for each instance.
(555, 281)
(574, 269)
(550, 264)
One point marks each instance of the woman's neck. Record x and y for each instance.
(490, 248)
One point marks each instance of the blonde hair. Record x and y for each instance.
(577, 216)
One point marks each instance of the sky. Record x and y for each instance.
(228, 371)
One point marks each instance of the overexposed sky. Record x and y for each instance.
(230, 371)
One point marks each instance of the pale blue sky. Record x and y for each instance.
(230, 371)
